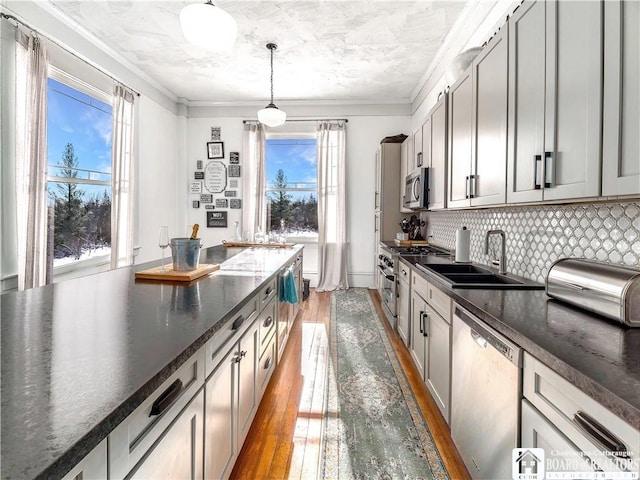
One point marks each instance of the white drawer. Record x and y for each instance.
(441, 302)
(267, 363)
(420, 285)
(267, 292)
(404, 273)
(230, 333)
(267, 321)
(566, 407)
(130, 440)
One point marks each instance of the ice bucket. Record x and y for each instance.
(185, 253)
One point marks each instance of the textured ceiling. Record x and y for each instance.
(348, 50)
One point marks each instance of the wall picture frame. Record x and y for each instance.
(234, 170)
(215, 149)
(234, 158)
(217, 219)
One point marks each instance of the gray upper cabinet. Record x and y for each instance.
(406, 167)
(490, 95)
(554, 101)
(621, 149)
(437, 149)
(478, 129)
(417, 150)
(460, 140)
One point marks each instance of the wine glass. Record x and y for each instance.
(163, 242)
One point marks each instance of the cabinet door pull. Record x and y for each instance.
(466, 186)
(268, 291)
(268, 322)
(421, 322)
(536, 170)
(548, 162)
(167, 398)
(426, 317)
(600, 434)
(472, 186)
(237, 322)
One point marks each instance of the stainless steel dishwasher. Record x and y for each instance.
(485, 397)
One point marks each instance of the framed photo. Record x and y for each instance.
(215, 177)
(234, 170)
(217, 219)
(198, 175)
(209, 207)
(234, 158)
(222, 203)
(215, 133)
(233, 183)
(230, 193)
(195, 204)
(199, 164)
(195, 187)
(215, 149)
(235, 203)
(206, 198)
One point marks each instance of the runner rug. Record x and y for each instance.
(373, 426)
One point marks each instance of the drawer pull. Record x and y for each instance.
(268, 322)
(268, 291)
(167, 398)
(237, 322)
(600, 434)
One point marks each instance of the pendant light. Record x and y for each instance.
(271, 115)
(208, 26)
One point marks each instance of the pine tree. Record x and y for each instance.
(70, 214)
(281, 208)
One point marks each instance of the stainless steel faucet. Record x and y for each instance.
(503, 256)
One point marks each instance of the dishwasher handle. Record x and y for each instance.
(484, 335)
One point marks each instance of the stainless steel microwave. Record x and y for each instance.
(416, 191)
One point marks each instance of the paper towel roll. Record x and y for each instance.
(463, 240)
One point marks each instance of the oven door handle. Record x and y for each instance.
(383, 272)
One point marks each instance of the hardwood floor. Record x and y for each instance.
(285, 437)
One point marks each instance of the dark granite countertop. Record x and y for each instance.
(600, 357)
(79, 356)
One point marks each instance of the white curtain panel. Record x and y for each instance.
(32, 61)
(253, 180)
(332, 223)
(122, 208)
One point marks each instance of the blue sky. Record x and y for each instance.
(297, 157)
(73, 117)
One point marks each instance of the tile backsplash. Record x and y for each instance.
(536, 236)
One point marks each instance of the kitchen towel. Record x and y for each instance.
(287, 287)
(463, 241)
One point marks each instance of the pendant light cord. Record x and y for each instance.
(271, 74)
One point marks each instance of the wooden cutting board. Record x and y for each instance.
(170, 274)
(409, 243)
(252, 244)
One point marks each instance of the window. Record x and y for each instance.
(79, 139)
(292, 187)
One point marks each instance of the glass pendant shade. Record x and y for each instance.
(208, 26)
(271, 116)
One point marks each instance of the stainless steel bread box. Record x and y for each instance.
(612, 291)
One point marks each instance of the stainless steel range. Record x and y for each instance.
(387, 264)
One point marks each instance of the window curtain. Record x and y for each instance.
(32, 61)
(332, 223)
(122, 228)
(253, 180)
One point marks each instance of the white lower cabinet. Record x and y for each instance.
(138, 437)
(93, 465)
(560, 455)
(231, 400)
(431, 340)
(177, 454)
(587, 427)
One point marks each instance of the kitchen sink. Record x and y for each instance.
(472, 276)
